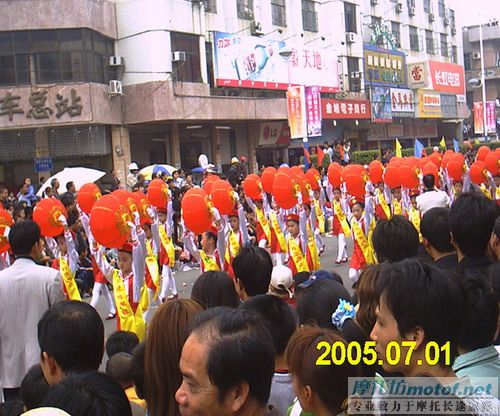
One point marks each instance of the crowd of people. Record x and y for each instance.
(424, 267)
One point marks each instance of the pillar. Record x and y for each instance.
(175, 147)
(216, 156)
(252, 141)
(42, 149)
(120, 142)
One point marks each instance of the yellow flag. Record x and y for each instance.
(442, 143)
(398, 149)
(476, 141)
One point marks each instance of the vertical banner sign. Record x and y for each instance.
(491, 125)
(479, 118)
(296, 106)
(313, 111)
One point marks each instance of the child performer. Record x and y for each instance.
(340, 226)
(297, 240)
(127, 280)
(414, 212)
(236, 234)
(167, 252)
(66, 259)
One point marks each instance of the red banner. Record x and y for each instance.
(447, 77)
(335, 109)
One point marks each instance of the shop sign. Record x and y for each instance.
(448, 106)
(274, 133)
(446, 77)
(313, 111)
(402, 102)
(417, 75)
(255, 62)
(381, 104)
(429, 104)
(337, 109)
(44, 164)
(383, 67)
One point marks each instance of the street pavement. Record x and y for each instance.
(185, 280)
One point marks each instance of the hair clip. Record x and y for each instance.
(344, 311)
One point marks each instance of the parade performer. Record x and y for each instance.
(236, 234)
(340, 226)
(167, 251)
(297, 240)
(382, 195)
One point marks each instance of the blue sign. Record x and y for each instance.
(44, 164)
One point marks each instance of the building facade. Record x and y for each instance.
(103, 83)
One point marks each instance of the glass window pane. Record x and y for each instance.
(98, 68)
(71, 40)
(7, 70)
(87, 39)
(99, 43)
(47, 67)
(23, 69)
(72, 66)
(45, 40)
(22, 42)
(6, 44)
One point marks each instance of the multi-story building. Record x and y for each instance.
(491, 64)
(102, 83)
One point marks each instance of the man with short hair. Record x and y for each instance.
(71, 339)
(227, 365)
(71, 188)
(132, 175)
(252, 268)
(431, 196)
(27, 291)
(436, 237)
(54, 184)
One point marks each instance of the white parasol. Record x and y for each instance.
(79, 176)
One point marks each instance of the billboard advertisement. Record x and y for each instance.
(313, 111)
(383, 67)
(402, 102)
(447, 77)
(381, 105)
(296, 107)
(255, 62)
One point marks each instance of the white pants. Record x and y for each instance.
(278, 258)
(342, 252)
(353, 275)
(168, 282)
(96, 291)
(153, 303)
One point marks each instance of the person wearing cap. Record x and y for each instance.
(128, 279)
(100, 285)
(66, 259)
(281, 284)
(213, 246)
(340, 226)
(132, 175)
(233, 174)
(361, 220)
(236, 233)
(297, 240)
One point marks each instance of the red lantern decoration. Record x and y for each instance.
(284, 190)
(46, 214)
(142, 203)
(431, 169)
(408, 173)
(335, 174)
(313, 176)
(435, 158)
(492, 161)
(252, 186)
(221, 195)
(5, 222)
(196, 210)
(456, 166)
(87, 196)
(355, 185)
(208, 182)
(108, 221)
(478, 172)
(482, 152)
(158, 193)
(391, 176)
(267, 179)
(300, 180)
(376, 171)
(127, 199)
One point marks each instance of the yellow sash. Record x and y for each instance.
(360, 237)
(337, 209)
(209, 262)
(167, 244)
(298, 257)
(485, 191)
(128, 320)
(414, 215)
(233, 248)
(144, 298)
(277, 230)
(384, 205)
(373, 223)
(152, 264)
(320, 216)
(313, 249)
(261, 218)
(69, 280)
(498, 193)
(397, 207)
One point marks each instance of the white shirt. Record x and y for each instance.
(432, 199)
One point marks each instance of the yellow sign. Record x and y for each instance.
(429, 104)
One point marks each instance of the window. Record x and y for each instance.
(441, 8)
(444, 44)
(429, 42)
(350, 17)
(211, 6)
(414, 39)
(454, 54)
(354, 74)
(245, 9)
(410, 3)
(188, 71)
(452, 20)
(427, 6)
(278, 11)
(396, 31)
(467, 61)
(49, 56)
(309, 16)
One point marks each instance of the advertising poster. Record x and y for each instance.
(447, 77)
(313, 111)
(417, 75)
(490, 118)
(296, 106)
(429, 104)
(255, 62)
(402, 102)
(383, 67)
(478, 118)
(381, 105)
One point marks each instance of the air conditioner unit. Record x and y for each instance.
(399, 8)
(115, 87)
(350, 37)
(256, 28)
(453, 30)
(412, 11)
(431, 17)
(374, 2)
(446, 21)
(115, 60)
(476, 56)
(179, 56)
